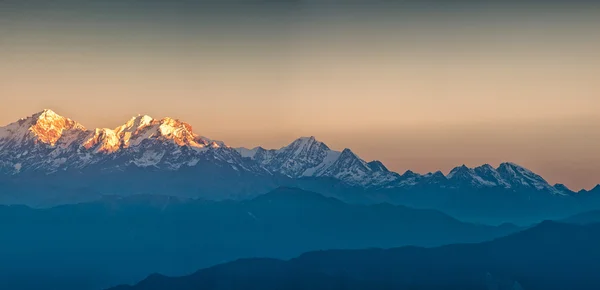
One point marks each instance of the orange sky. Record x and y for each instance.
(420, 94)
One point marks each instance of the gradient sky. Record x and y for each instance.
(422, 86)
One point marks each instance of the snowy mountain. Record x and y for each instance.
(507, 176)
(47, 142)
(308, 157)
(57, 151)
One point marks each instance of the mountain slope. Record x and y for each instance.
(589, 217)
(546, 257)
(68, 163)
(124, 239)
(308, 157)
(46, 142)
(47, 159)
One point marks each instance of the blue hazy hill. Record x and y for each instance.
(121, 240)
(549, 256)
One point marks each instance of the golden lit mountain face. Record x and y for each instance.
(48, 127)
(104, 140)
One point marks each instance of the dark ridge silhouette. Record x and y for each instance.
(589, 217)
(123, 239)
(549, 256)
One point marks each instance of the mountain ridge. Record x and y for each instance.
(126, 238)
(46, 144)
(549, 255)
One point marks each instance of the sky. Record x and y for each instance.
(420, 85)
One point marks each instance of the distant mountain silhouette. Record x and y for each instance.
(549, 256)
(119, 240)
(589, 217)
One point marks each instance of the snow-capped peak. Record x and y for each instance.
(507, 175)
(48, 142)
(377, 165)
(437, 175)
(144, 127)
(309, 157)
(304, 144)
(127, 130)
(517, 176)
(409, 174)
(457, 171)
(47, 114)
(305, 139)
(45, 127)
(135, 123)
(103, 140)
(468, 175)
(491, 175)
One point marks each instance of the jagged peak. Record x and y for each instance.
(144, 127)
(45, 127)
(47, 113)
(563, 188)
(211, 142)
(306, 141)
(595, 190)
(377, 165)
(347, 153)
(103, 140)
(409, 173)
(512, 165)
(169, 125)
(438, 173)
(486, 167)
(459, 169)
(50, 115)
(135, 123)
(514, 168)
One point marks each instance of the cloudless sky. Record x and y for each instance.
(418, 85)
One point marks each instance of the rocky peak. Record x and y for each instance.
(377, 165)
(45, 127)
(49, 126)
(103, 141)
(460, 172)
(144, 127)
(563, 188)
(409, 174)
(305, 145)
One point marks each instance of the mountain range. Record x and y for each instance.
(119, 240)
(548, 256)
(83, 209)
(47, 159)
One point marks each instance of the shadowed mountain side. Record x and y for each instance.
(589, 217)
(546, 257)
(209, 180)
(493, 205)
(121, 240)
